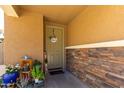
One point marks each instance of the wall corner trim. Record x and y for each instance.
(117, 43)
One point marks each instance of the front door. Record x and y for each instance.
(55, 48)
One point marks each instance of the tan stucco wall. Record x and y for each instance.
(96, 24)
(23, 36)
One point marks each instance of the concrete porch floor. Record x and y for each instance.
(66, 80)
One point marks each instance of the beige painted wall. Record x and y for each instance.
(23, 36)
(96, 24)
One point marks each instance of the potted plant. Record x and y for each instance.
(12, 73)
(37, 73)
(0, 81)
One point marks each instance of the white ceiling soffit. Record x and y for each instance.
(11, 10)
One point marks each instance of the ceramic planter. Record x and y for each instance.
(36, 80)
(10, 77)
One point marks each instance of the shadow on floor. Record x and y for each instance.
(65, 80)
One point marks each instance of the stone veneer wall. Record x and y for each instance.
(99, 67)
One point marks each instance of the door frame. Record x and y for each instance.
(63, 29)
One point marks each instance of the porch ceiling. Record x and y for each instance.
(56, 13)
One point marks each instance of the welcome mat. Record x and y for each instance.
(56, 72)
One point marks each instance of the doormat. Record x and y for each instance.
(56, 72)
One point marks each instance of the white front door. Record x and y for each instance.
(54, 50)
